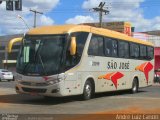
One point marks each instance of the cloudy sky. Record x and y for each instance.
(144, 14)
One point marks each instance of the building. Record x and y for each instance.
(123, 27)
(8, 60)
(156, 32)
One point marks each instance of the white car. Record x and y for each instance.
(6, 75)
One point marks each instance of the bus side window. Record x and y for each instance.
(134, 50)
(150, 53)
(123, 49)
(110, 47)
(96, 46)
(143, 52)
(114, 48)
(93, 46)
(71, 61)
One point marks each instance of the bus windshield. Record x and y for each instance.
(41, 55)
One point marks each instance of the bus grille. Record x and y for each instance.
(34, 84)
(33, 90)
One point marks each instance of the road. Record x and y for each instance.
(146, 100)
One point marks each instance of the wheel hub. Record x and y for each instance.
(88, 90)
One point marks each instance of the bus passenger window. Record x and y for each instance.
(96, 46)
(110, 47)
(150, 53)
(134, 50)
(114, 48)
(123, 49)
(93, 46)
(143, 52)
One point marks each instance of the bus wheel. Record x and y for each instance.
(87, 91)
(135, 86)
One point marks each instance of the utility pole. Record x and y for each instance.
(101, 10)
(35, 16)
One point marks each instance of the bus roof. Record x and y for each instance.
(63, 29)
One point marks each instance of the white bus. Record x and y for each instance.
(81, 60)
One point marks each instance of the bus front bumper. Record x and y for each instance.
(50, 90)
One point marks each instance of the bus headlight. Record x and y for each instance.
(60, 78)
(51, 82)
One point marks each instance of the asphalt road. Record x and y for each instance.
(6, 84)
(10, 102)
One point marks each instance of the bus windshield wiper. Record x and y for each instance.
(39, 56)
(42, 64)
(24, 69)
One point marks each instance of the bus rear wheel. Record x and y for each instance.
(135, 86)
(87, 90)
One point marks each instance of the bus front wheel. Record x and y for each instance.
(87, 90)
(135, 86)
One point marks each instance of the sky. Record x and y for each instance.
(143, 14)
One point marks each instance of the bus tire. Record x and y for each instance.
(135, 86)
(87, 90)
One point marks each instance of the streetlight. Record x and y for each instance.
(20, 17)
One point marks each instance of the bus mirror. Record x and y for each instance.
(12, 42)
(73, 46)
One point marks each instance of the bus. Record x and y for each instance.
(81, 60)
